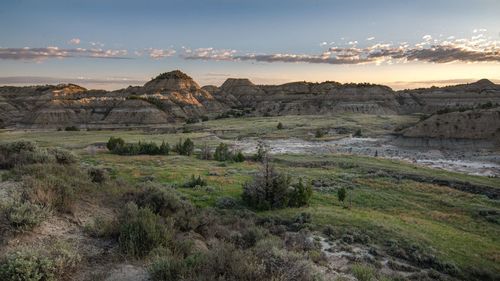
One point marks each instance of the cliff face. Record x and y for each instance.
(174, 97)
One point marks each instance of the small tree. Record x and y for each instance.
(113, 143)
(357, 134)
(164, 148)
(280, 126)
(319, 133)
(239, 157)
(341, 194)
(184, 148)
(188, 147)
(261, 152)
(205, 153)
(270, 189)
(222, 152)
(300, 194)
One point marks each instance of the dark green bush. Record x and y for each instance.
(319, 133)
(280, 126)
(114, 142)
(270, 189)
(159, 199)
(226, 203)
(192, 120)
(238, 157)
(195, 181)
(184, 148)
(72, 128)
(357, 134)
(261, 153)
(98, 175)
(119, 146)
(164, 148)
(222, 152)
(300, 194)
(141, 231)
(62, 156)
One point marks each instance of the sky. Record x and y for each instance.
(112, 44)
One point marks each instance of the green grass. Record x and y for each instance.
(442, 219)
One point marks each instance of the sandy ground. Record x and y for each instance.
(474, 162)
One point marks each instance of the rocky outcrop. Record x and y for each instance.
(432, 99)
(476, 124)
(175, 97)
(310, 98)
(170, 97)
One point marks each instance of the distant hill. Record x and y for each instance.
(174, 97)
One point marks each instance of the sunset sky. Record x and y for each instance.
(112, 44)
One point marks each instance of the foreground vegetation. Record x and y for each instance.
(187, 217)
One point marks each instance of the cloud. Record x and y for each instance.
(40, 54)
(370, 38)
(160, 53)
(74, 41)
(476, 49)
(209, 54)
(30, 80)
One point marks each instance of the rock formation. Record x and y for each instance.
(174, 97)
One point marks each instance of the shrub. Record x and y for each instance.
(319, 133)
(25, 216)
(164, 148)
(300, 194)
(27, 266)
(195, 181)
(159, 199)
(168, 268)
(222, 152)
(261, 152)
(341, 194)
(22, 153)
(63, 156)
(192, 120)
(270, 189)
(72, 128)
(141, 231)
(184, 148)
(52, 185)
(205, 153)
(226, 203)
(286, 265)
(204, 118)
(101, 227)
(114, 142)
(357, 134)
(280, 126)
(239, 157)
(363, 272)
(225, 262)
(267, 190)
(98, 175)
